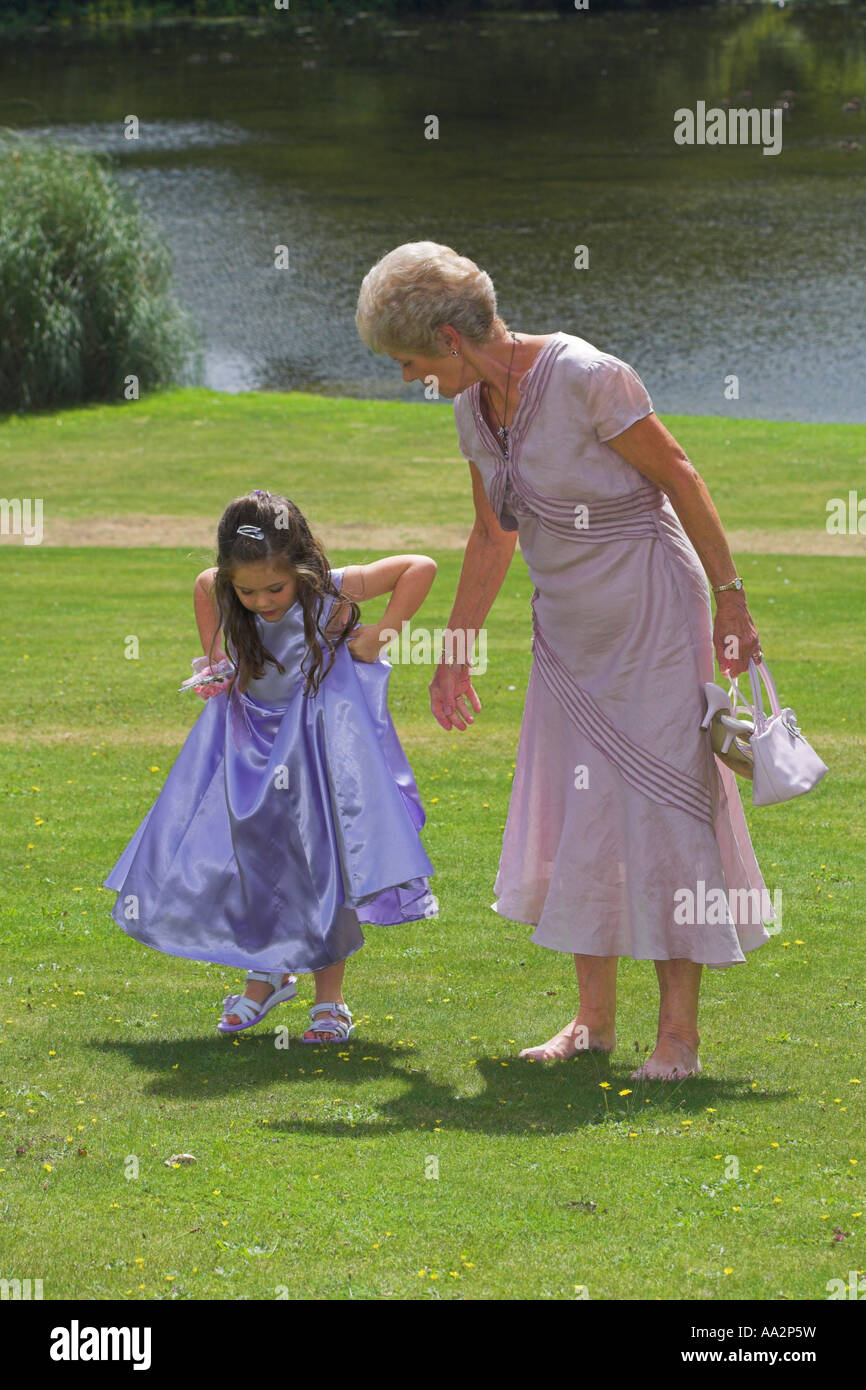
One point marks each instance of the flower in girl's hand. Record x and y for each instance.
(208, 680)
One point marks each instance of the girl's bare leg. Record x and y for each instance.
(329, 990)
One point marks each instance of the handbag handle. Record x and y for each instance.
(759, 672)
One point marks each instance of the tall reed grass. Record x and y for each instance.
(85, 284)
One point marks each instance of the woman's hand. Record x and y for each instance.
(735, 636)
(450, 689)
(366, 642)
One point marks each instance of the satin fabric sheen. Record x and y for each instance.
(285, 822)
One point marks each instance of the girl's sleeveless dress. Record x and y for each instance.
(625, 834)
(285, 822)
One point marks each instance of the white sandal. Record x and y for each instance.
(247, 1010)
(342, 1025)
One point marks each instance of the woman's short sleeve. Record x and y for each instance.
(615, 396)
(462, 419)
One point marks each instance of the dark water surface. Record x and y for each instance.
(554, 131)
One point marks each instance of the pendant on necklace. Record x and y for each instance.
(503, 432)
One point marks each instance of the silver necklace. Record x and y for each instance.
(504, 431)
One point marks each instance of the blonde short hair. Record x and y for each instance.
(416, 288)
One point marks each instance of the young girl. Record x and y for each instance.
(290, 815)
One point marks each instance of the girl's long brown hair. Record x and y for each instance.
(288, 543)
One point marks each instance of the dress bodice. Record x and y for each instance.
(571, 401)
(285, 639)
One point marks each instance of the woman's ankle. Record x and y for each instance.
(597, 1020)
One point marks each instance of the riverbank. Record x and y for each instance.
(100, 16)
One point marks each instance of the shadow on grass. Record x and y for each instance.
(515, 1096)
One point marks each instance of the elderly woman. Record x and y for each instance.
(621, 816)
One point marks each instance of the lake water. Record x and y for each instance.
(704, 261)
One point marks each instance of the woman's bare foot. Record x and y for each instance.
(673, 1059)
(581, 1035)
(258, 991)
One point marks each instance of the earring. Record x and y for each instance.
(454, 352)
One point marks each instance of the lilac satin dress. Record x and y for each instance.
(285, 822)
(620, 813)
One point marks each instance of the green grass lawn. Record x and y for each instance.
(187, 453)
(406, 1164)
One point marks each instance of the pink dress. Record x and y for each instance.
(625, 835)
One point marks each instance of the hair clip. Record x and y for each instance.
(255, 531)
(257, 492)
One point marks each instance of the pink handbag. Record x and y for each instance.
(784, 764)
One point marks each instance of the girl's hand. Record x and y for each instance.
(450, 689)
(366, 642)
(734, 621)
(205, 692)
(202, 667)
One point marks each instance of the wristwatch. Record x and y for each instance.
(734, 584)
